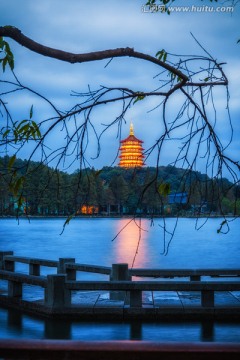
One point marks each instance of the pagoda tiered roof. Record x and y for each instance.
(131, 151)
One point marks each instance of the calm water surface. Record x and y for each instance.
(91, 241)
(94, 241)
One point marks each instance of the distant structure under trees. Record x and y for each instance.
(131, 151)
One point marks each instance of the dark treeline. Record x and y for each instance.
(112, 190)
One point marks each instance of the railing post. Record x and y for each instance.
(2, 254)
(135, 298)
(120, 272)
(34, 269)
(9, 265)
(207, 298)
(14, 289)
(195, 277)
(56, 294)
(71, 273)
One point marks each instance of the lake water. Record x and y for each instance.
(103, 241)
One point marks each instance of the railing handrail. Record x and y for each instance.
(182, 272)
(153, 285)
(23, 278)
(49, 349)
(98, 269)
(143, 272)
(30, 260)
(125, 285)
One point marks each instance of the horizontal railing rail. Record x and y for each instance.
(24, 279)
(97, 269)
(69, 266)
(17, 280)
(141, 350)
(28, 260)
(184, 272)
(135, 288)
(154, 285)
(49, 349)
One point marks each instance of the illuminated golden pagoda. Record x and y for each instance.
(131, 151)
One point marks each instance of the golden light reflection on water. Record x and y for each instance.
(131, 242)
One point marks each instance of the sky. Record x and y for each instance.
(83, 26)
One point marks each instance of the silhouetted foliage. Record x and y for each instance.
(113, 191)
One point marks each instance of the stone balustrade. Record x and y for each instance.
(58, 288)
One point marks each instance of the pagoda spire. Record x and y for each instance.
(131, 129)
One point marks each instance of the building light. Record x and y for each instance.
(131, 151)
(89, 209)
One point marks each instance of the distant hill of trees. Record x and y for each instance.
(112, 190)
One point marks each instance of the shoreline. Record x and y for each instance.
(29, 217)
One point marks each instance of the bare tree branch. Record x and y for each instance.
(15, 34)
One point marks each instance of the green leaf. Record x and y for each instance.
(224, 222)
(37, 132)
(159, 54)
(11, 161)
(151, 2)
(26, 129)
(19, 124)
(16, 185)
(67, 221)
(164, 189)
(139, 98)
(97, 173)
(5, 134)
(9, 58)
(4, 63)
(10, 62)
(31, 112)
(1, 42)
(20, 201)
(162, 55)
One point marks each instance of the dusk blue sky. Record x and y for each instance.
(83, 26)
